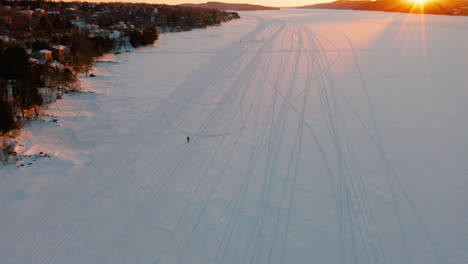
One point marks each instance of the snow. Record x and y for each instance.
(44, 51)
(316, 136)
(59, 47)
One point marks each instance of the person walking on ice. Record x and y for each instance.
(188, 139)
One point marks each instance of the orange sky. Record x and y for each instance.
(281, 3)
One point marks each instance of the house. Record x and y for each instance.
(61, 50)
(121, 25)
(28, 13)
(40, 11)
(7, 40)
(6, 19)
(97, 33)
(33, 61)
(80, 25)
(114, 34)
(42, 56)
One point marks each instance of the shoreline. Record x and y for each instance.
(18, 153)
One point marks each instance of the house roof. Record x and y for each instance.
(6, 38)
(59, 47)
(44, 51)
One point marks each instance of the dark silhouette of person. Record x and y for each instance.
(188, 139)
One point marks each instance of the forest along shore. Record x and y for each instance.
(45, 46)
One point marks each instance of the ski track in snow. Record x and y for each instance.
(294, 156)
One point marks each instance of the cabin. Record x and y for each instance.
(42, 56)
(121, 25)
(60, 51)
(40, 11)
(33, 61)
(6, 19)
(114, 34)
(6, 40)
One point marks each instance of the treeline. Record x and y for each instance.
(17, 74)
(21, 76)
(59, 15)
(232, 6)
(143, 38)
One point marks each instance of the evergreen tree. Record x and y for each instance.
(7, 122)
(28, 97)
(81, 52)
(14, 64)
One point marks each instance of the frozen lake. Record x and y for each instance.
(317, 136)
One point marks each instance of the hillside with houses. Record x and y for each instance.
(45, 46)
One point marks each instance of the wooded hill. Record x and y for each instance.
(229, 6)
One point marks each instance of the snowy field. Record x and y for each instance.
(316, 137)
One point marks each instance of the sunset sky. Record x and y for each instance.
(281, 3)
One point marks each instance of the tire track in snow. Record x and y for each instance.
(363, 205)
(130, 159)
(293, 164)
(246, 73)
(277, 129)
(200, 130)
(256, 150)
(216, 114)
(391, 172)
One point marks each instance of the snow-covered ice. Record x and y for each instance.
(316, 137)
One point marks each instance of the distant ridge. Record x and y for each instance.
(446, 7)
(229, 6)
(339, 5)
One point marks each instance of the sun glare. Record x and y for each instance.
(420, 2)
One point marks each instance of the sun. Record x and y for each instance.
(419, 2)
